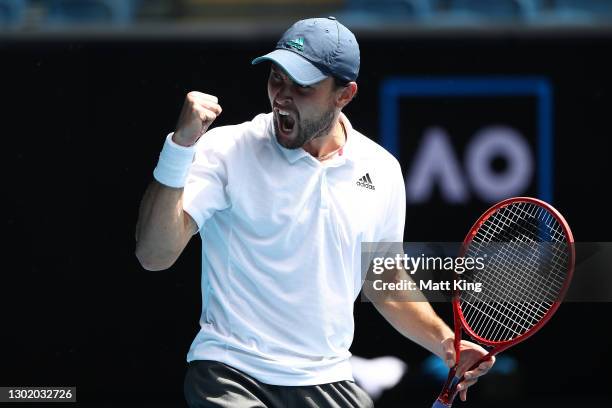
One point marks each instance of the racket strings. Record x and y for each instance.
(522, 306)
(503, 314)
(526, 256)
(511, 250)
(496, 308)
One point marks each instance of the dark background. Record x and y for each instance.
(83, 122)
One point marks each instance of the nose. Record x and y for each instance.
(284, 95)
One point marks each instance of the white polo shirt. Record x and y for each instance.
(281, 235)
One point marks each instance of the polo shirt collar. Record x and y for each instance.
(348, 150)
(293, 155)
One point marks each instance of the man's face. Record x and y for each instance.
(300, 113)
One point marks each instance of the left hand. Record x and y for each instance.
(469, 354)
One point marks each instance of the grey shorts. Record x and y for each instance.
(214, 384)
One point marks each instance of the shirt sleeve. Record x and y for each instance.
(205, 190)
(393, 224)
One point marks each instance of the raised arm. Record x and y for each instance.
(163, 228)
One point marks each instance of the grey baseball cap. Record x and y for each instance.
(315, 48)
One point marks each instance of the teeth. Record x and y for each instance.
(282, 112)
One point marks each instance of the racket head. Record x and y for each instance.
(561, 241)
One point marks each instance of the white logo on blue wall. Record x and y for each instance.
(436, 164)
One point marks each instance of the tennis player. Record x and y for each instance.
(282, 204)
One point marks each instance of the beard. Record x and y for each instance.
(307, 129)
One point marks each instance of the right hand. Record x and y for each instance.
(198, 113)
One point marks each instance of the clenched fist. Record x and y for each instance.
(198, 113)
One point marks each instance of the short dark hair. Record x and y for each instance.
(340, 83)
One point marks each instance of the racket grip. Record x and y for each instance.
(439, 404)
(447, 395)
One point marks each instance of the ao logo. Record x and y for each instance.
(436, 164)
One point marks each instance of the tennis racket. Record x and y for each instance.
(529, 253)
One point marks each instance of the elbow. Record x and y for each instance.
(153, 266)
(152, 260)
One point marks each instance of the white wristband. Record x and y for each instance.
(174, 163)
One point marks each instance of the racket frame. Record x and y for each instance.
(449, 391)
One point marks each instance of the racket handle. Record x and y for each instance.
(445, 400)
(449, 392)
(439, 404)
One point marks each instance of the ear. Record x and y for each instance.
(346, 94)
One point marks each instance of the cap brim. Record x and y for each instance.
(297, 67)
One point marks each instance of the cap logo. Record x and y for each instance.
(298, 43)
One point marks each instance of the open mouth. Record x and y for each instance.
(286, 121)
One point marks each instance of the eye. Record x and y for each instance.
(276, 76)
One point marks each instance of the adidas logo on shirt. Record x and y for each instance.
(366, 182)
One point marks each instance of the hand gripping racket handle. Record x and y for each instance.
(446, 397)
(449, 392)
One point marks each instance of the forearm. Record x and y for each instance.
(163, 228)
(417, 321)
(410, 313)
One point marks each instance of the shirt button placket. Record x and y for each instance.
(323, 187)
